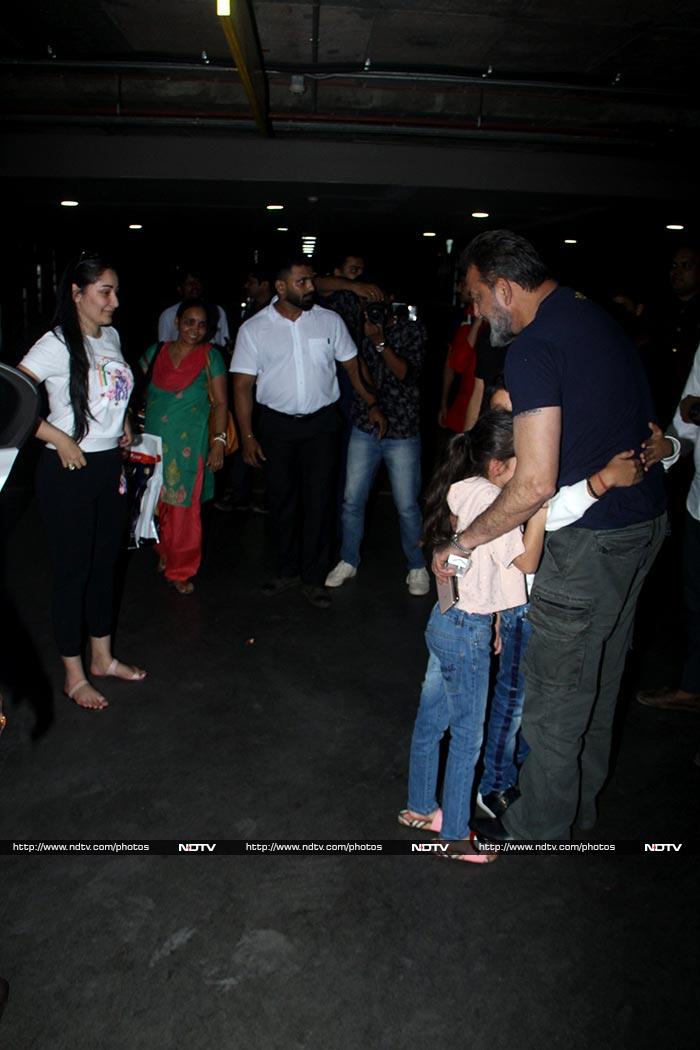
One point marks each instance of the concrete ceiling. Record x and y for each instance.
(415, 109)
(615, 74)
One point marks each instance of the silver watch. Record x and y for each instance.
(454, 542)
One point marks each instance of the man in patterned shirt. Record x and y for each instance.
(391, 357)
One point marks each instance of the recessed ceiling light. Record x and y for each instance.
(69, 204)
(675, 226)
(283, 229)
(223, 8)
(480, 215)
(275, 207)
(429, 233)
(570, 240)
(135, 226)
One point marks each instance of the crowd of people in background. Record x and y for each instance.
(543, 516)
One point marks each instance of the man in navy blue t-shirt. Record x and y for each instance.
(579, 397)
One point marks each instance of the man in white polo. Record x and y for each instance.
(290, 349)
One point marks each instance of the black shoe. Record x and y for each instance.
(279, 585)
(225, 503)
(259, 508)
(316, 596)
(497, 802)
(491, 830)
(4, 993)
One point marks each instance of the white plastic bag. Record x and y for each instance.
(144, 473)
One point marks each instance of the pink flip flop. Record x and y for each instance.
(467, 853)
(408, 819)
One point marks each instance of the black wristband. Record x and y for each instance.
(592, 492)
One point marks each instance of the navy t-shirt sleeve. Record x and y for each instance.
(532, 375)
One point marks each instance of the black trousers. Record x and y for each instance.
(84, 515)
(300, 462)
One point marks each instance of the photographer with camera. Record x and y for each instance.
(391, 357)
(686, 425)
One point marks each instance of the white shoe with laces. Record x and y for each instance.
(418, 581)
(342, 572)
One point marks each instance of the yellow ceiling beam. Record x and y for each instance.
(242, 38)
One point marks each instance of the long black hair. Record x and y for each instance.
(467, 456)
(85, 270)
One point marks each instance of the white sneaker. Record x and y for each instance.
(483, 805)
(342, 572)
(418, 581)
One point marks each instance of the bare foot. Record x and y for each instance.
(85, 695)
(116, 669)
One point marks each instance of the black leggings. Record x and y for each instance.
(84, 515)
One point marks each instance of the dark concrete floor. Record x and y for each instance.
(304, 734)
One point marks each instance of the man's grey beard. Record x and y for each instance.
(501, 333)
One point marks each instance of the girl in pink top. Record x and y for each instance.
(455, 689)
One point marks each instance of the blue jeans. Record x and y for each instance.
(504, 753)
(454, 695)
(402, 458)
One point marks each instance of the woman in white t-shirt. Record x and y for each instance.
(79, 489)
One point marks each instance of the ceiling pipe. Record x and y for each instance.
(242, 38)
(334, 124)
(321, 72)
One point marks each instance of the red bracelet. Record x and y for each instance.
(606, 488)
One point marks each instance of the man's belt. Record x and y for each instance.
(300, 415)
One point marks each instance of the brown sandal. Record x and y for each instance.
(182, 586)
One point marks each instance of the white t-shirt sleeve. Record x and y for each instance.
(570, 503)
(222, 332)
(245, 354)
(48, 357)
(671, 460)
(689, 431)
(343, 345)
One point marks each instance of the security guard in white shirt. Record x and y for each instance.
(290, 349)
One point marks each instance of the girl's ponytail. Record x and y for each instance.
(467, 456)
(456, 465)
